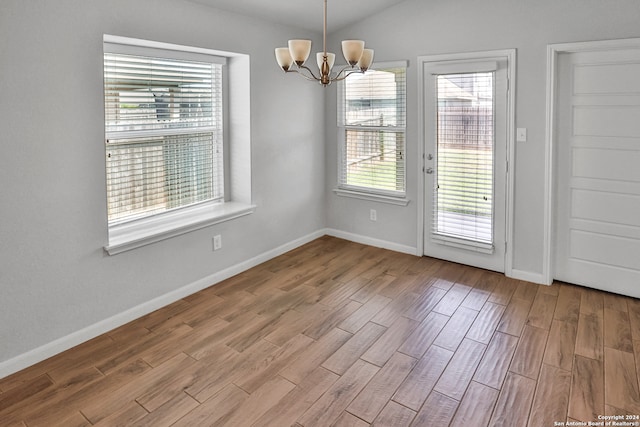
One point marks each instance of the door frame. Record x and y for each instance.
(553, 52)
(510, 56)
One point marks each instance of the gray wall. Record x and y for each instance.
(418, 27)
(54, 276)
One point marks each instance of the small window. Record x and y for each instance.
(371, 123)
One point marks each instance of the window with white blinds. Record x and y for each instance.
(372, 122)
(163, 131)
(463, 205)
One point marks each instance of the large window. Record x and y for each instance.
(371, 121)
(167, 150)
(164, 132)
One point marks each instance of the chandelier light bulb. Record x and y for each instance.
(300, 50)
(283, 57)
(352, 51)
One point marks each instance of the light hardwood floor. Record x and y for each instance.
(337, 333)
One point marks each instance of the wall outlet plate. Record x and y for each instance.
(217, 242)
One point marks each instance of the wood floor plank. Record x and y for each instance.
(438, 410)
(591, 302)
(416, 387)
(342, 359)
(514, 402)
(208, 382)
(270, 365)
(299, 400)
(258, 403)
(496, 360)
(24, 391)
(476, 299)
(349, 420)
(315, 355)
(385, 346)
(514, 317)
(373, 288)
(169, 413)
(395, 309)
(452, 299)
(617, 330)
(382, 386)
(561, 344)
(63, 402)
(212, 410)
(330, 405)
(394, 415)
(552, 397)
(423, 336)
(542, 310)
(456, 328)
(586, 401)
(486, 322)
(528, 356)
(362, 315)
(489, 281)
(526, 291)
(568, 304)
(634, 317)
(503, 290)
(325, 323)
(341, 293)
(126, 416)
(476, 406)
(457, 376)
(590, 336)
(425, 303)
(621, 380)
(154, 379)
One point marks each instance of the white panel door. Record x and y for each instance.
(597, 169)
(466, 128)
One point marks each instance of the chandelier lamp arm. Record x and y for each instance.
(311, 77)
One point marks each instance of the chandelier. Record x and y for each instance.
(358, 58)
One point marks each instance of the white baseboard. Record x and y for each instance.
(529, 276)
(365, 240)
(41, 353)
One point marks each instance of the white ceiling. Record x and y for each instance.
(305, 14)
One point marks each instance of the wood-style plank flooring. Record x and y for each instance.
(340, 334)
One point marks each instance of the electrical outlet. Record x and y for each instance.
(373, 215)
(217, 242)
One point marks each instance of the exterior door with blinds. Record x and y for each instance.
(597, 130)
(465, 161)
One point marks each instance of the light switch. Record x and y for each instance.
(521, 134)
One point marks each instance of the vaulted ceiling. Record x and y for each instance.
(305, 14)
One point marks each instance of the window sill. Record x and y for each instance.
(134, 234)
(399, 201)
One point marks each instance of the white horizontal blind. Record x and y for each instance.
(463, 205)
(372, 115)
(164, 130)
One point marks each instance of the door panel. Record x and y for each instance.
(465, 164)
(597, 216)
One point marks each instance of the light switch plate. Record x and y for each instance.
(521, 134)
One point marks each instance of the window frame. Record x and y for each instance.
(130, 234)
(366, 192)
